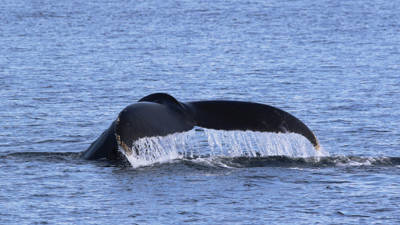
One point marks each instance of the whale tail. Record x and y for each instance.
(160, 114)
(104, 146)
(236, 115)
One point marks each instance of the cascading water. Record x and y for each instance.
(255, 144)
(147, 151)
(208, 143)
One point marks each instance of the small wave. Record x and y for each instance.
(285, 161)
(42, 156)
(208, 162)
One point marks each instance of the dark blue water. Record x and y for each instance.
(67, 68)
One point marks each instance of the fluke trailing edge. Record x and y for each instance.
(161, 114)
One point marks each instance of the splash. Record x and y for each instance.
(209, 143)
(150, 150)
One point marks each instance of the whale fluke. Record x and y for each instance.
(161, 114)
(236, 115)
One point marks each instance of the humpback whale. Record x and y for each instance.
(160, 114)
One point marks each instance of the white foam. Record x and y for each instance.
(360, 161)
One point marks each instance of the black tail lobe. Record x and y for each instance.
(236, 115)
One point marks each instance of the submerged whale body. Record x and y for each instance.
(161, 114)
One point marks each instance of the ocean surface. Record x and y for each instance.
(67, 68)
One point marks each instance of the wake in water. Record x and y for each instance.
(215, 144)
(214, 148)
